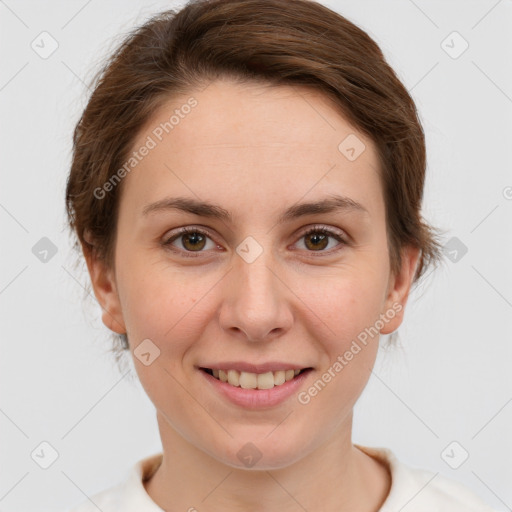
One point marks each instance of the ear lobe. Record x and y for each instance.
(398, 289)
(105, 291)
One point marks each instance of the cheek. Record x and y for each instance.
(161, 304)
(170, 309)
(350, 306)
(349, 347)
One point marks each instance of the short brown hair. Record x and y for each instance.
(289, 42)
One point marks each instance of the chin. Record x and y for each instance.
(265, 452)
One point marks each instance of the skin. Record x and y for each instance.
(254, 150)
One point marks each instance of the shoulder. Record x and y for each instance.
(422, 490)
(127, 496)
(417, 489)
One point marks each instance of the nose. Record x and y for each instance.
(257, 301)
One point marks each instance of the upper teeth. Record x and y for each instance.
(249, 380)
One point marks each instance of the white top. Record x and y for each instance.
(421, 490)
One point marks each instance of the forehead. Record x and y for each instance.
(227, 112)
(281, 140)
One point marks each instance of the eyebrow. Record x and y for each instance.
(332, 203)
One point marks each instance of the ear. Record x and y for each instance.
(105, 290)
(399, 286)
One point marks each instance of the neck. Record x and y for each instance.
(336, 476)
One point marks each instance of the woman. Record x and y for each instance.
(246, 187)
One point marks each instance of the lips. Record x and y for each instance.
(255, 389)
(249, 380)
(242, 366)
(251, 376)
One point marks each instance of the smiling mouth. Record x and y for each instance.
(248, 380)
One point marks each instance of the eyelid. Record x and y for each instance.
(167, 241)
(340, 235)
(331, 231)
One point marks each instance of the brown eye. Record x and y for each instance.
(189, 240)
(193, 241)
(316, 241)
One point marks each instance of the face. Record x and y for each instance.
(263, 281)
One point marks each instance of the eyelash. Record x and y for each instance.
(193, 254)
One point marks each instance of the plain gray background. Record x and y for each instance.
(450, 381)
